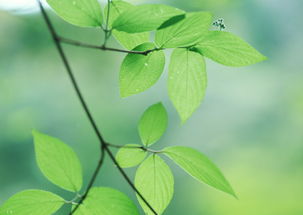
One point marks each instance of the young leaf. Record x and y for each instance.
(117, 7)
(186, 32)
(152, 124)
(199, 166)
(228, 49)
(33, 202)
(187, 81)
(58, 162)
(78, 12)
(155, 182)
(139, 72)
(130, 157)
(144, 18)
(107, 201)
(129, 41)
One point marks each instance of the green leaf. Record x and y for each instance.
(144, 18)
(32, 202)
(155, 182)
(116, 8)
(186, 32)
(130, 157)
(58, 162)
(153, 124)
(187, 81)
(107, 201)
(139, 72)
(199, 167)
(78, 12)
(129, 41)
(228, 49)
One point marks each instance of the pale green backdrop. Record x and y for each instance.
(250, 123)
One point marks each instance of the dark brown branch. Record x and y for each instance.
(103, 47)
(103, 144)
(91, 182)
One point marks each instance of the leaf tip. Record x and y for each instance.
(35, 131)
(160, 105)
(232, 192)
(264, 58)
(36, 134)
(184, 117)
(235, 196)
(124, 93)
(210, 14)
(229, 189)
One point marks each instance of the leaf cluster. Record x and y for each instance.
(61, 166)
(154, 178)
(190, 37)
(188, 33)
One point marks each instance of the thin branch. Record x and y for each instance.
(124, 146)
(77, 43)
(104, 48)
(70, 73)
(103, 143)
(134, 147)
(92, 181)
(127, 51)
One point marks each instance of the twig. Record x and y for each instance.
(103, 47)
(134, 147)
(92, 181)
(103, 144)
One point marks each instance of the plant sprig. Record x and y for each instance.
(189, 35)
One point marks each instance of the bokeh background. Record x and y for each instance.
(250, 123)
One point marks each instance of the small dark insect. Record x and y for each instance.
(220, 24)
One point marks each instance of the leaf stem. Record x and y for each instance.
(76, 197)
(107, 32)
(135, 147)
(108, 11)
(151, 150)
(103, 144)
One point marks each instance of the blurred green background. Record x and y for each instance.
(250, 122)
